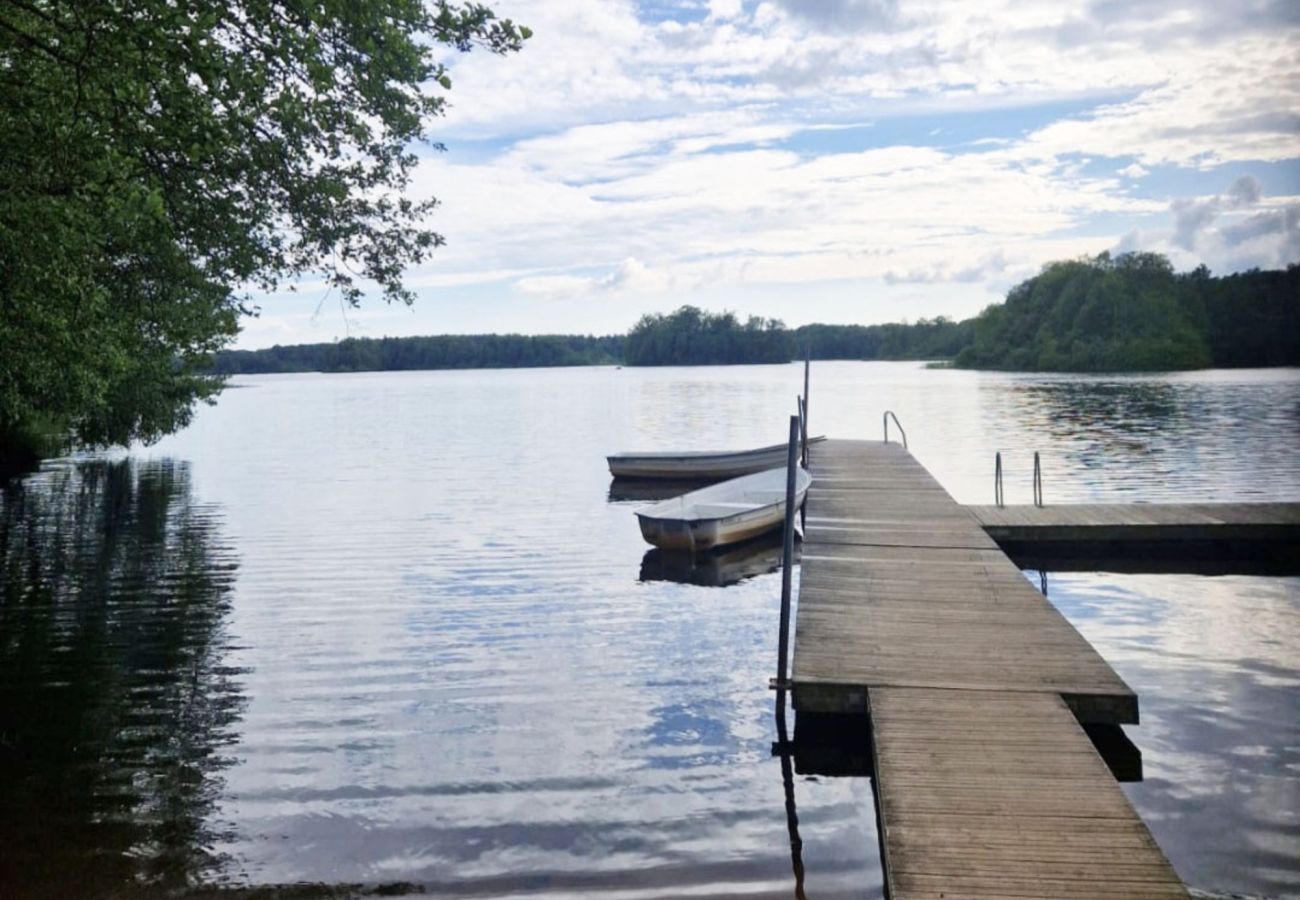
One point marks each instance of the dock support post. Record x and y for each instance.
(787, 567)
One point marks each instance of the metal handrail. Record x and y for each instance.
(889, 414)
(1038, 481)
(997, 479)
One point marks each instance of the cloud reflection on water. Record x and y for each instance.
(1214, 661)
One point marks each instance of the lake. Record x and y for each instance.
(392, 629)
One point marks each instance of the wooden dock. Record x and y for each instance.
(1001, 794)
(1142, 521)
(1215, 537)
(901, 587)
(975, 685)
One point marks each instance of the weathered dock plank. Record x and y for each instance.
(901, 586)
(1002, 795)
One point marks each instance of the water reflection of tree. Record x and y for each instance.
(1100, 423)
(114, 702)
(1122, 409)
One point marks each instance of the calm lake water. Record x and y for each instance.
(379, 628)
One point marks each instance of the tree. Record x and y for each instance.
(160, 158)
(692, 337)
(1099, 313)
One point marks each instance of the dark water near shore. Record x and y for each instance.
(391, 628)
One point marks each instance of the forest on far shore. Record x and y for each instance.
(1097, 314)
(1134, 313)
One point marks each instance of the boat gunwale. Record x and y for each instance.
(702, 455)
(800, 491)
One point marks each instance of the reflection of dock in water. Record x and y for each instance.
(716, 568)
(979, 697)
(838, 745)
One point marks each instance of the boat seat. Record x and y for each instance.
(719, 510)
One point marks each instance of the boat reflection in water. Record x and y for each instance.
(716, 568)
(624, 490)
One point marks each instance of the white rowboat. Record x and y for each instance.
(725, 513)
(699, 464)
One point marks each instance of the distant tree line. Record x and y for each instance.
(692, 337)
(939, 338)
(1133, 313)
(448, 351)
(1124, 313)
(688, 336)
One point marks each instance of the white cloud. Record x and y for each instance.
(711, 157)
(1276, 221)
(1133, 241)
(1238, 229)
(1244, 192)
(737, 219)
(1191, 217)
(1227, 103)
(630, 276)
(725, 9)
(841, 15)
(987, 268)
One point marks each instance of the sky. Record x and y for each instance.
(839, 161)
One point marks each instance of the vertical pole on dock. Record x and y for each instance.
(803, 430)
(807, 363)
(787, 569)
(1038, 483)
(997, 478)
(802, 403)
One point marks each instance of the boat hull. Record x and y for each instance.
(699, 466)
(696, 532)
